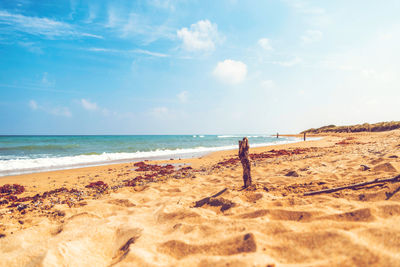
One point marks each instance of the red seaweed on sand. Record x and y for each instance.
(14, 189)
(264, 155)
(143, 167)
(99, 186)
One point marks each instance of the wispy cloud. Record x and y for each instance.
(201, 36)
(150, 53)
(106, 50)
(92, 106)
(128, 25)
(138, 24)
(126, 52)
(45, 27)
(36, 87)
(92, 13)
(86, 104)
(31, 47)
(113, 17)
(56, 111)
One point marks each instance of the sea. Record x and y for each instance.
(29, 154)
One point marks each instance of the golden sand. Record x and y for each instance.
(161, 223)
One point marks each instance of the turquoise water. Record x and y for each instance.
(24, 154)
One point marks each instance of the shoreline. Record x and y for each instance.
(113, 173)
(174, 154)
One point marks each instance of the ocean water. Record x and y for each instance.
(28, 154)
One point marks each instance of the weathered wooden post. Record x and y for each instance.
(244, 158)
(277, 135)
(304, 136)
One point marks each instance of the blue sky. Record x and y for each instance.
(196, 67)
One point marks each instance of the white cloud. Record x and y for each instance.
(45, 27)
(183, 96)
(202, 36)
(149, 53)
(265, 43)
(311, 36)
(84, 34)
(230, 71)
(33, 105)
(86, 104)
(106, 50)
(92, 106)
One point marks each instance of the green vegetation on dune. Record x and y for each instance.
(366, 127)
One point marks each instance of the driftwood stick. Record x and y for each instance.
(244, 159)
(205, 200)
(331, 190)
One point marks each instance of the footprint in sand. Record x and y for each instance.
(121, 202)
(241, 244)
(279, 214)
(385, 167)
(181, 216)
(359, 215)
(104, 242)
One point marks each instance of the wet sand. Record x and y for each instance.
(201, 216)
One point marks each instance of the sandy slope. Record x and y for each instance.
(158, 224)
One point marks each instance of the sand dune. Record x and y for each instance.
(162, 223)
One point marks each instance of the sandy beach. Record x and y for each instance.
(194, 212)
(227, 133)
